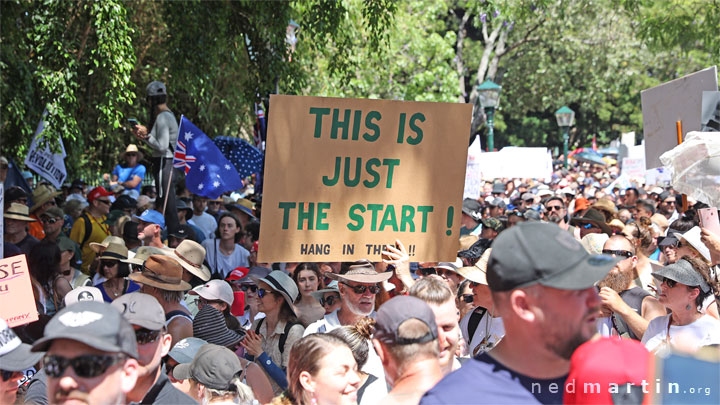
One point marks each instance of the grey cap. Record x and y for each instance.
(541, 253)
(498, 188)
(472, 208)
(155, 88)
(141, 310)
(498, 202)
(185, 350)
(14, 354)
(395, 312)
(213, 366)
(684, 273)
(527, 196)
(96, 324)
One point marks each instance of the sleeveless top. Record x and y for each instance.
(176, 313)
(634, 298)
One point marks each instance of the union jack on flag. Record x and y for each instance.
(207, 172)
(182, 159)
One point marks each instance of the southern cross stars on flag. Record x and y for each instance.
(247, 159)
(207, 172)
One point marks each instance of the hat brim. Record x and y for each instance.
(19, 217)
(140, 278)
(95, 246)
(95, 342)
(182, 371)
(361, 278)
(320, 293)
(668, 241)
(283, 293)
(21, 358)
(474, 274)
(583, 275)
(576, 221)
(202, 272)
(243, 208)
(39, 203)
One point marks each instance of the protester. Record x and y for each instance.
(161, 277)
(557, 214)
(269, 340)
(15, 357)
(202, 219)
(223, 252)
(114, 270)
(91, 355)
(406, 339)
(357, 337)
(43, 198)
(147, 318)
(74, 276)
(329, 297)
(131, 174)
(219, 295)
(150, 227)
(448, 270)
(16, 220)
(185, 213)
(471, 215)
(243, 210)
(91, 227)
(627, 307)
(308, 279)
(183, 352)
(593, 221)
(161, 139)
(49, 285)
(322, 371)
(542, 284)
(684, 287)
(464, 298)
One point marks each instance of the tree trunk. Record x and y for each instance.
(459, 62)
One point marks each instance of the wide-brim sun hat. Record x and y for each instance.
(19, 212)
(97, 247)
(362, 272)
(209, 325)
(43, 194)
(282, 284)
(332, 287)
(161, 272)
(115, 251)
(191, 256)
(478, 272)
(594, 217)
(132, 148)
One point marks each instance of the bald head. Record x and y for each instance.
(619, 242)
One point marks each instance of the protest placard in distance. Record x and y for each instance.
(17, 301)
(343, 177)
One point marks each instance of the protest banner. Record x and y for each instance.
(44, 162)
(710, 118)
(17, 301)
(473, 180)
(344, 177)
(664, 105)
(516, 162)
(633, 167)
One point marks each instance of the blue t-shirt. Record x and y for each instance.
(132, 287)
(484, 380)
(126, 173)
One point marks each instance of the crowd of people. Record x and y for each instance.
(146, 299)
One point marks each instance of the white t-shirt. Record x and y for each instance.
(705, 331)
(221, 264)
(495, 329)
(206, 222)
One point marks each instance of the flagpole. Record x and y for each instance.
(167, 190)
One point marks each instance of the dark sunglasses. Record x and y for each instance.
(467, 298)
(670, 283)
(261, 292)
(669, 202)
(108, 263)
(474, 284)
(6, 375)
(251, 287)
(131, 154)
(554, 207)
(145, 336)
(85, 366)
(106, 202)
(329, 300)
(49, 220)
(426, 271)
(624, 253)
(360, 289)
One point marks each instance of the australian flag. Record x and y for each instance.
(247, 159)
(207, 172)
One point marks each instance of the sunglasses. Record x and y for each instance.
(261, 292)
(329, 300)
(426, 271)
(467, 298)
(474, 284)
(670, 283)
(108, 263)
(360, 289)
(85, 366)
(49, 220)
(145, 336)
(131, 154)
(245, 287)
(554, 208)
(623, 253)
(106, 202)
(6, 375)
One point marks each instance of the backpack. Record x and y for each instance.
(283, 337)
(88, 229)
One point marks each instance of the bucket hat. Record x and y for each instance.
(594, 217)
(283, 285)
(191, 256)
(42, 194)
(361, 272)
(114, 251)
(162, 272)
(19, 212)
(209, 325)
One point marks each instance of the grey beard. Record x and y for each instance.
(555, 219)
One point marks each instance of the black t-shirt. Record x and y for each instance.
(163, 392)
(484, 379)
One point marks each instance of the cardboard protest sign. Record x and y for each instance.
(473, 180)
(664, 105)
(516, 162)
(344, 177)
(710, 118)
(17, 301)
(633, 167)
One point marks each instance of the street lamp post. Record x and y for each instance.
(489, 94)
(565, 117)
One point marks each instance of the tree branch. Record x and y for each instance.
(525, 39)
(459, 62)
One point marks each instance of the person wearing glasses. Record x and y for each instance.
(269, 340)
(91, 355)
(556, 213)
(91, 226)
(114, 270)
(627, 308)
(329, 297)
(147, 318)
(131, 174)
(15, 358)
(684, 287)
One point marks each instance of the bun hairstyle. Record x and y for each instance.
(699, 264)
(357, 336)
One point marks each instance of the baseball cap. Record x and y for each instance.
(155, 88)
(96, 324)
(527, 196)
(83, 293)
(53, 212)
(472, 208)
(14, 354)
(395, 312)
(153, 217)
(215, 290)
(239, 273)
(183, 232)
(141, 309)
(98, 192)
(497, 202)
(213, 366)
(493, 223)
(541, 253)
(185, 350)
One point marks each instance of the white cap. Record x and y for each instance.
(83, 294)
(215, 290)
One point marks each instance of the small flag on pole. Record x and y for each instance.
(207, 172)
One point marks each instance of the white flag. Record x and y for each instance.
(49, 165)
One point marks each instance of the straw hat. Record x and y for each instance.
(42, 194)
(478, 272)
(363, 272)
(144, 252)
(114, 251)
(191, 256)
(132, 148)
(161, 272)
(97, 247)
(19, 212)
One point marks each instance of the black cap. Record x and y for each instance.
(124, 202)
(78, 183)
(183, 232)
(96, 324)
(541, 253)
(213, 366)
(15, 193)
(182, 205)
(130, 231)
(395, 312)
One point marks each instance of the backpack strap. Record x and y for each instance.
(474, 321)
(259, 324)
(88, 229)
(283, 337)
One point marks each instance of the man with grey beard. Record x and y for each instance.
(629, 307)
